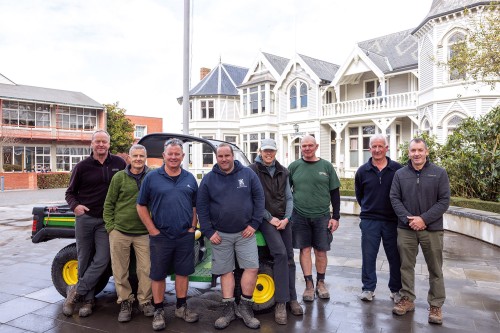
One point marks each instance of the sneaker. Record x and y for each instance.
(435, 315)
(86, 309)
(71, 299)
(321, 290)
(395, 296)
(296, 308)
(404, 305)
(367, 295)
(228, 314)
(280, 313)
(147, 308)
(125, 313)
(184, 313)
(308, 295)
(159, 319)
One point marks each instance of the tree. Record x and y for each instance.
(471, 156)
(432, 144)
(477, 57)
(120, 128)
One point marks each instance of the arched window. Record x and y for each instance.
(293, 97)
(453, 123)
(457, 37)
(303, 95)
(426, 127)
(298, 95)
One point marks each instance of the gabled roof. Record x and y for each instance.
(394, 52)
(444, 7)
(47, 95)
(222, 80)
(279, 63)
(324, 70)
(4, 79)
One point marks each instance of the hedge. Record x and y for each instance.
(53, 180)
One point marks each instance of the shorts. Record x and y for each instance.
(233, 244)
(311, 232)
(171, 256)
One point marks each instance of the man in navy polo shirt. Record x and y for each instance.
(166, 206)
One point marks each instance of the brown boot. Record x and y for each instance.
(280, 313)
(404, 305)
(295, 308)
(321, 290)
(308, 295)
(71, 299)
(435, 315)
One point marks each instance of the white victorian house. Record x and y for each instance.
(390, 84)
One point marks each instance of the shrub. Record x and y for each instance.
(53, 180)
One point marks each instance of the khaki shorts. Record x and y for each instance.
(223, 254)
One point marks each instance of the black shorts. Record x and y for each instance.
(171, 255)
(311, 232)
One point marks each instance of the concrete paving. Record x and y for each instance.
(29, 302)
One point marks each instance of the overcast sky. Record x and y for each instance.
(130, 51)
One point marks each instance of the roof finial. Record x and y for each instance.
(220, 59)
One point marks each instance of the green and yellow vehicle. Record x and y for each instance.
(58, 222)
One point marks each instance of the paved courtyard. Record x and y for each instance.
(29, 302)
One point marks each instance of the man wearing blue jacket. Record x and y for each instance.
(378, 221)
(230, 206)
(420, 195)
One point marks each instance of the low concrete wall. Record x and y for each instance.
(474, 223)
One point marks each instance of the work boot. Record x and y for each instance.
(86, 309)
(227, 314)
(125, 313)
(321, 290)
(244, 311)
(280, 313)
(147, 308)
(404, 305)
(71, 299)
(295, 308)
(184, 313)
(159, 319)
(435, 315)
(308, 295)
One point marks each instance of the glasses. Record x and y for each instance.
(175, 142)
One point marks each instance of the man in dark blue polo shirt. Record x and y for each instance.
(166, 206)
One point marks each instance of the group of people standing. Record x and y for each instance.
(119, 207)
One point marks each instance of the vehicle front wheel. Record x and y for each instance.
(64, 270)
(263, 294)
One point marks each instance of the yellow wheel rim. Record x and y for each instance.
(70, 272)
(264, 289)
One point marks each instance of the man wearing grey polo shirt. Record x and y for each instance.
(230, 207)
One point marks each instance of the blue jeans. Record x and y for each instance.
(372, 231)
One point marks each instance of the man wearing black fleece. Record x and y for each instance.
(85, 195)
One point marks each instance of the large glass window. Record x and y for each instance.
(353, 146)
(68, 157)
(26, 158)
(254, 100)
(207, 153)
(303, 95)
(293, 97)
(207, 109)
(140, 131)
(25, 114)
(76, 118)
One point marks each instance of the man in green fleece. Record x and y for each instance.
(126, 230)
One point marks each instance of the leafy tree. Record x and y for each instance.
(471, 157)
(433, 146)
(120, 128)
(477, 58)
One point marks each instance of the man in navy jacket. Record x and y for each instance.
(378, 221)
(230, 207)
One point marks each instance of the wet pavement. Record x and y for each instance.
(29, 302)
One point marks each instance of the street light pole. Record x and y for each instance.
(185, 82)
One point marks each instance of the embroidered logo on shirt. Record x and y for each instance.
(241, 183)
(322, 173)
(188, 185)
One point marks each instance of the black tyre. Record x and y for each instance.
(64, 270)
(265, 288)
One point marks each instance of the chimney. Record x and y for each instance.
(204, 72)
